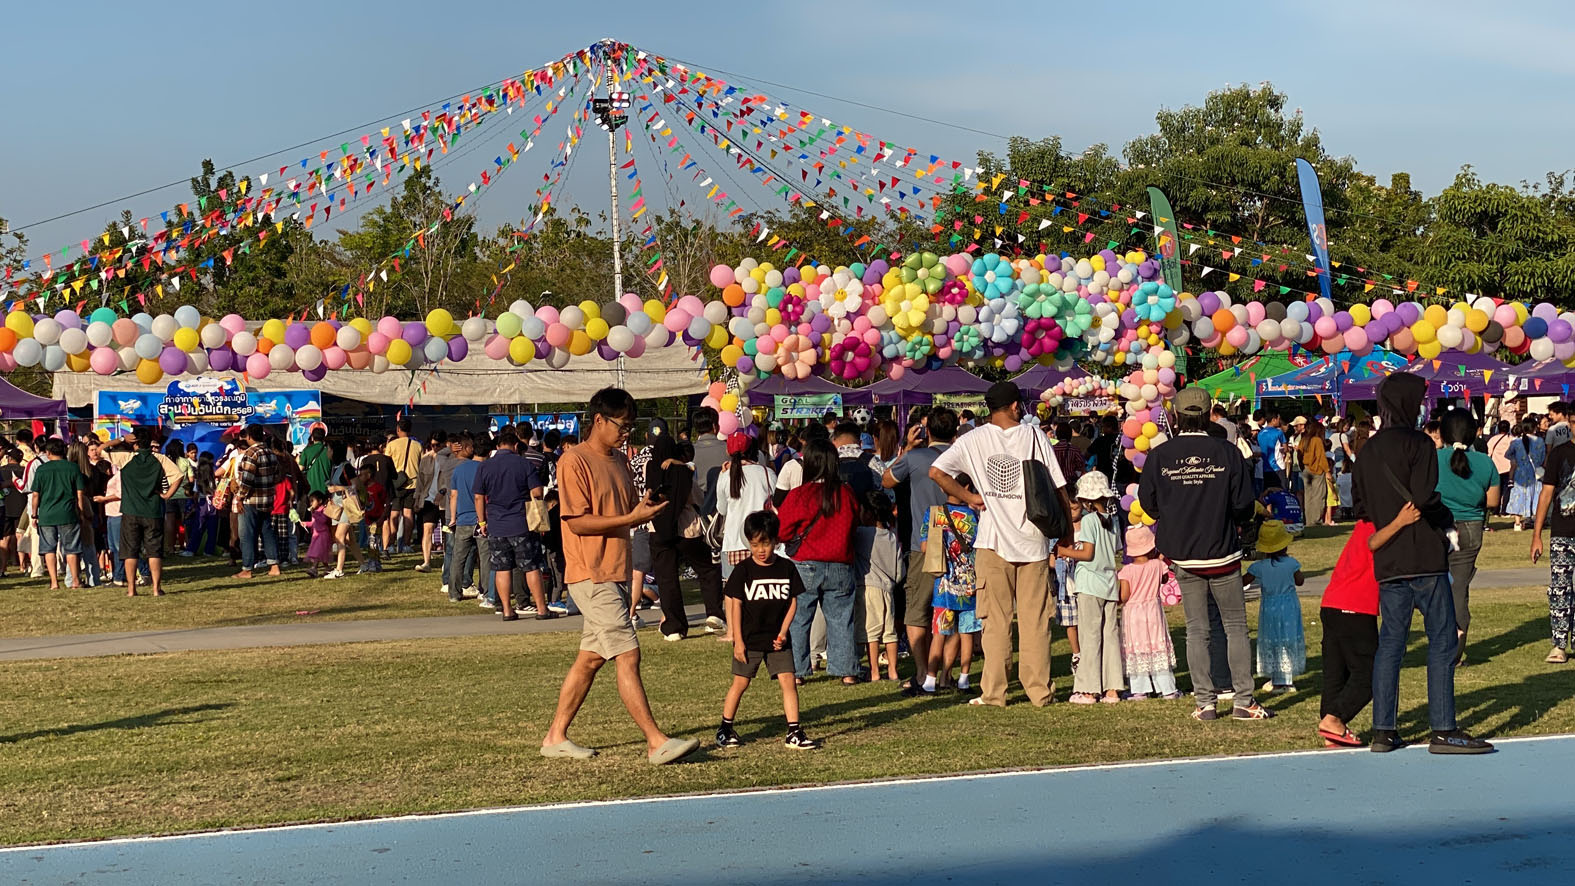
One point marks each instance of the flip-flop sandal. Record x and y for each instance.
(1346, 740)
(569, 749)
(673, 750)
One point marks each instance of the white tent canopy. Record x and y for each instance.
(474, 381)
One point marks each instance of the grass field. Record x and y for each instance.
(151, 744)
(202, 594)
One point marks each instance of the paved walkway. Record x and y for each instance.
(316, 633)
(1319, 817)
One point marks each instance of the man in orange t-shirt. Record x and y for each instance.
(597, 507)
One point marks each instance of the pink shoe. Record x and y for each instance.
(1082, 698)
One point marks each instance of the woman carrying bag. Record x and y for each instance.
(676, 535)
(818, 519)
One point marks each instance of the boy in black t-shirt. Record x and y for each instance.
(761, 598)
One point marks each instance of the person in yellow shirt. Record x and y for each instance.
(405, 452)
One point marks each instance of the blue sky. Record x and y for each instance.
(105, 99)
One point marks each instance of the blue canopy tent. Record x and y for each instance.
(1329, 376)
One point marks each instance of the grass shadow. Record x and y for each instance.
(166, 717)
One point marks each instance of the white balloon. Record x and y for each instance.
(128, 358)
(73, 341)
(434, 349)
(348, 338)
(639, 323)
(474, 329)
(47, 331)
(572, 317)
(620, 338)
(164, 327)
(28, 352)
(244, 343)
(282, 357)
(521, 307)
(558, 358)
(148, 346)
(533, 328)
(310, 357)
(197, 362)
(100, 334)
(380, 363)
(212, 336)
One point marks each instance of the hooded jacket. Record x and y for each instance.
(1400, 464)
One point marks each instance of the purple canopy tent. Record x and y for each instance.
(1545, 378)
(1451, 374)
(17, 404)
(920, 388)
(764, 394)
(1042, 378)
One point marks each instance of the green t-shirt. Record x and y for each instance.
(1097, 577)
(1466, 496)
(141, 482)
(57, 484)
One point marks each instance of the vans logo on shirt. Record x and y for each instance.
(1005, 473)
(768, 589)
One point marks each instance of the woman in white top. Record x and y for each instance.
(743, 489)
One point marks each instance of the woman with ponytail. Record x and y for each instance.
(1468, 484)
(1526, 453)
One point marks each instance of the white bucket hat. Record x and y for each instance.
(1094, 486)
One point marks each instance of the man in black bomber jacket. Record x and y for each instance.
(1395, 486)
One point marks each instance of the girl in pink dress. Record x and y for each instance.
(321, 549)
(1145, 635)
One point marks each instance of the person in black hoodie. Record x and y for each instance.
(675, 537)
(1395, 487)
(1199, 491)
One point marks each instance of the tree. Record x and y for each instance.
(428, 247)
(1501, 241)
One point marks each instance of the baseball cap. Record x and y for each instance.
(1191, 401)
(1001, 395)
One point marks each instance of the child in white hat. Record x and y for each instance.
(1094, 551)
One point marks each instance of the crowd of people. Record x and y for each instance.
(844, 546)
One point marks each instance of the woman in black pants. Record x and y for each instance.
(676, 535)
(1350, 639)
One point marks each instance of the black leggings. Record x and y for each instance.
(665, 556)
(1350, 640)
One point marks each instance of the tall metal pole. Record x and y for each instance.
(612, 187)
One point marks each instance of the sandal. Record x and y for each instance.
(850, 681)
(798, 681)
(1346, 739)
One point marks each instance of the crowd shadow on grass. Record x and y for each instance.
(166, 717)
(1524, 702)
(1525, 634)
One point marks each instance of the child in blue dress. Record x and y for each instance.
(1282, 648)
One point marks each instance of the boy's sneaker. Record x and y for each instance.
(487, 604)
(1386, 740)
(727, 738)
(470, 592)
(560, 608)
(1456, 741)
(529, 609)
(1255, 712)
(334, 574)
(714, 625)
(1205, 713)
(798, 741)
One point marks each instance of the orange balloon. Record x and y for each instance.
(324, 334)
(7, 339)
(1224, 321)
(264, 345)
(733, 295)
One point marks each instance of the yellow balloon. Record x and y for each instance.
(1424, 331)
(759, 273)
(1150, 429)
(1121, 357)
(1098, 261)
(399, 352)
(592, 310)
(148, 372)
(1476, 320)
(580, 344)
(1361, 315)
(773, 317)
(796, 289)
(808, 274)
(273, 330)
(729, 402)
(1225, 348)
(1428, 350)
(20, 323)
(186, 339)
(1140, 444)
(655, 310)
(77, 362)
(1173, 320)
(1521, 313)
(440, 322)
(521, 349)
(1437, 315)
(717, 337)
(596, 328)
(363, 326)
(730, 355)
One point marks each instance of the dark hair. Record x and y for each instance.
(611, 403)
(846, 429)
(762, 526)
(1191, 424)
(1528, 431)
(439, 437)
(820, 466)
(143, 435)
(1458, 426)
(13, 453)
(888, 439)
(875, 509)
(319, 435)
(316, 499)
(942, 425)
(24, 436)
(523, 431)
(552, 439)
(1063, 431)
(1501, 428)
(814, 432)
(256, 433)
(507, 438)
(967, 415)
(403, 425)
(1108, 424)
(175, 449)
(1559, 406)
(1431, 427)
(735, 469)
(703, 421)
(55, 446)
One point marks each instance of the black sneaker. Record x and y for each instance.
(548, 615)
(1205, 713)
(1386, 740)
(1456, 741)
(727, 738)
(798, 741)
(1255, 712)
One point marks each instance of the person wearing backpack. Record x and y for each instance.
(1013, 555)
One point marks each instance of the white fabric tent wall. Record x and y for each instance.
(474, 381)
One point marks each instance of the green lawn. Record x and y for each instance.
(1503, 548)
(153, 744)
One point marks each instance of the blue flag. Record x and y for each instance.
(1317, 231)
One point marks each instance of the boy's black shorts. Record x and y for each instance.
(778, 661)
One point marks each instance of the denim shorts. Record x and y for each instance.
(68, 538)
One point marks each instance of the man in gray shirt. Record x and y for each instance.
(912, 468)
(710, 450)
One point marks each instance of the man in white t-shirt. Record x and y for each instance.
(1012, 556)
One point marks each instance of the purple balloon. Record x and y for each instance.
(871, 276)
(790, 276)
(1014, 363)
(221, 359)
(880, 267)
(1409, 312)
(746, 364)
(1342, 320)
(415, 333)
(316, 374)
(1545, 310)
(173, 360)
(458, 347)
(606, 351)
(1208, 302)
(1559, 330)
(69, 319)
(1314, 312)
(296, 335)
(821, 323)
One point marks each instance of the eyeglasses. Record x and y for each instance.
(624, 428)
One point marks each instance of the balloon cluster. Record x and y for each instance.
(1134, 508)
(729, 417)
(1086, 387)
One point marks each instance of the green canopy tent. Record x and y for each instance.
(1240, 382)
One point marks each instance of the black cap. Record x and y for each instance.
(1001, 395)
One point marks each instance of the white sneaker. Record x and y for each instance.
(634, 620)
(334, 574)
(714, 625)
(560, 608)
(444, 590)
(470, 592)
(487, 604)
(673, 638)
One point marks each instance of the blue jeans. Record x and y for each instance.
(1396, 600)
(828, 586)
(253, 521)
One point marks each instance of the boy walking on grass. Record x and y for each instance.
(761, 598)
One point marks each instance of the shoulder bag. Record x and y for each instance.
(1041, 501)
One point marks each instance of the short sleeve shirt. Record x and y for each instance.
(506, 479)
(57, 484)
(1097, 577)
(766, 592)
(1559, 473)
(590, 483)
(913, 467)
(993, 458)
(1466, 497)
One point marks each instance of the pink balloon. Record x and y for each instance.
(377, 342)
(958, 264)
(1356, 340)
(1255, 312)
(125, 332)
(631, 301)
(637, 348)
(1237, 336)
(677, 320)
(547, 314)
(721, 275)
(257, 366)
(334, 357)
(104, 361)
(559, 335)
(895, 371)
(1326, 327)
(497, 347)
(727, 423)
(767, 345)
(233, 323)
(691, 305)
(390, 327)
